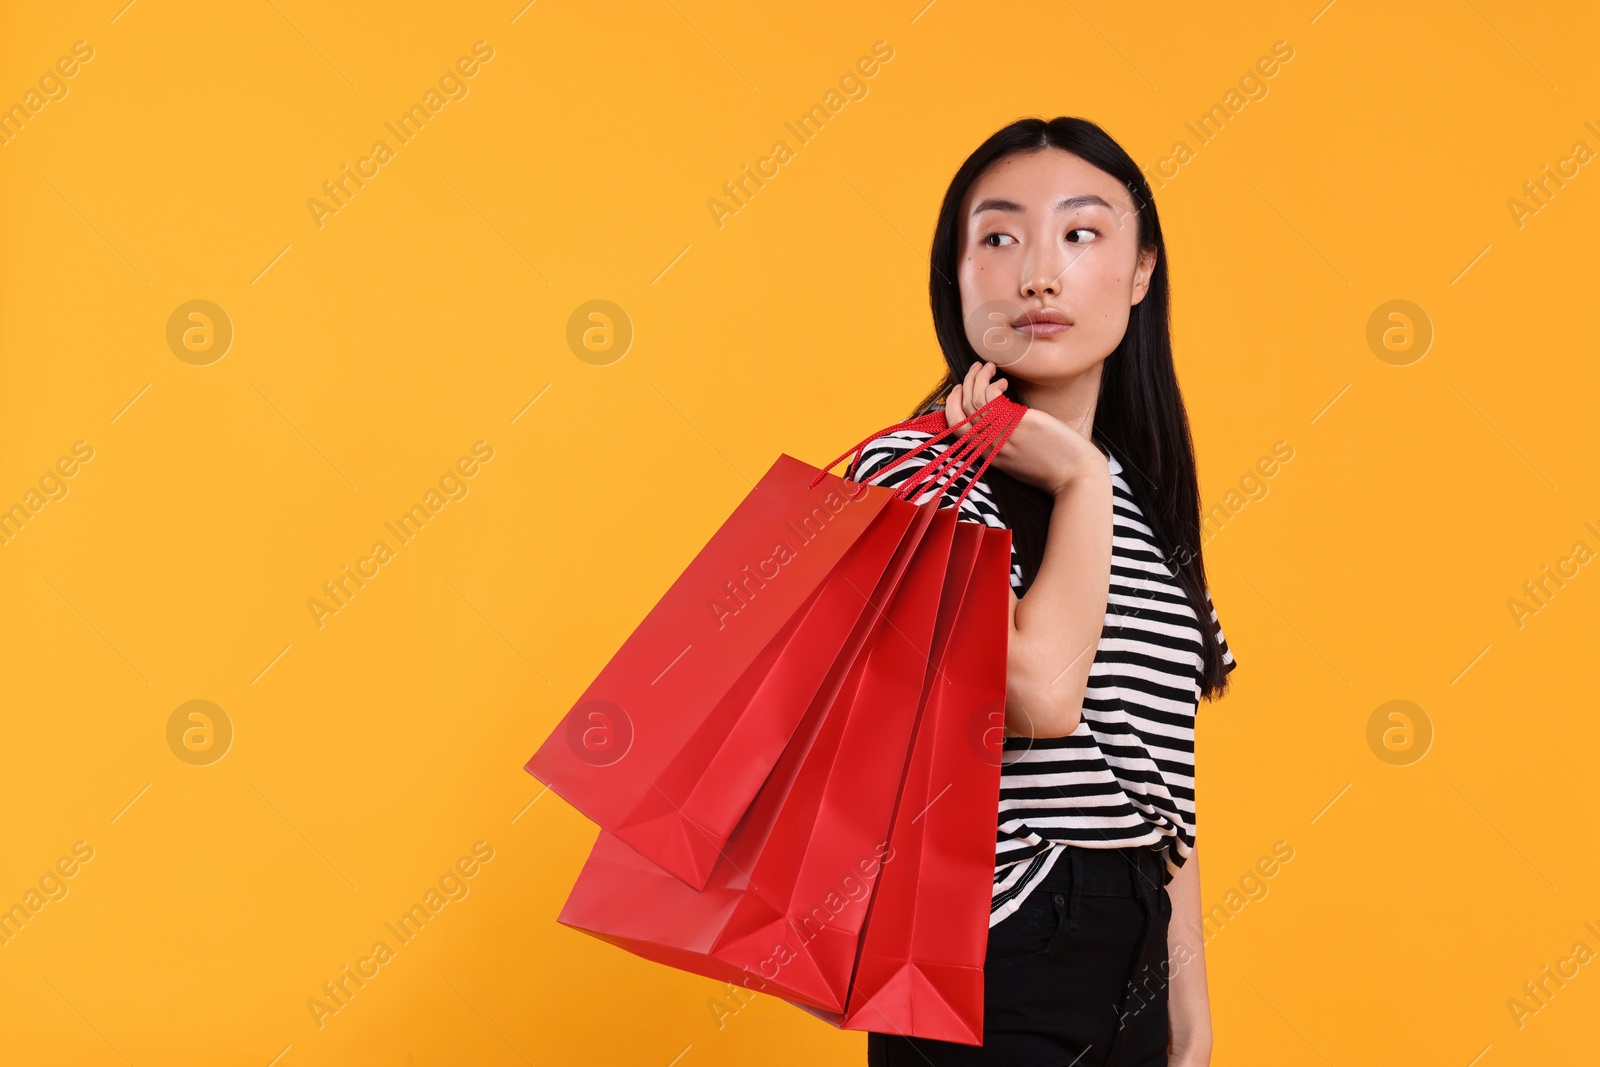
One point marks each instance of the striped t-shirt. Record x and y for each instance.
(1125, 776)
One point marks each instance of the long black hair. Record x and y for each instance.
(1139, 417)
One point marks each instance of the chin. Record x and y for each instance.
(1047, 360)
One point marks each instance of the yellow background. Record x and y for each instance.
(428, 314)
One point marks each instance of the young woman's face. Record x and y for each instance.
(1047, 233)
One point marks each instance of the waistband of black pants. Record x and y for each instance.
(1135, 871)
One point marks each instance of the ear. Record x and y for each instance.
(1141, 274)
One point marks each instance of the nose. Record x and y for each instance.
(1039, 287)
(1042, 271)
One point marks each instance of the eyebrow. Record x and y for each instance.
(995, 203)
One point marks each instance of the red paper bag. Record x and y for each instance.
(784, 907)
(671, 766)
(669, 708)
(701, 795)
(920, 967)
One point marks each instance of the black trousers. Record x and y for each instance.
(1077, 977)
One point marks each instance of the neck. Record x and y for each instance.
(1072, 400)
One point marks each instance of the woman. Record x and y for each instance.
(1049, 284)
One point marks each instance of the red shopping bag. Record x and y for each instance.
(666, 710)
(785, 904)
(919, 971)
(700, 796)
(669, 759)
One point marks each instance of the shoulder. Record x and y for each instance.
(878, 454)
(891, 459)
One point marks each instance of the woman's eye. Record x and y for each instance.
(989, 238)
(1082, 229)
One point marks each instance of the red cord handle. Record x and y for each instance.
(993, 423)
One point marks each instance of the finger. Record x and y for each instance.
(952, 407)
(969, 394)
(985, 377)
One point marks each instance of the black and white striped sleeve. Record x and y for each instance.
(889, 461)
(1227, 653)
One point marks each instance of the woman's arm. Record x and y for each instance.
(1055, 629)
(1188, 1003)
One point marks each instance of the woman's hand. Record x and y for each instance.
(1042, 451)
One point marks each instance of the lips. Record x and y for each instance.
(1041, 322)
